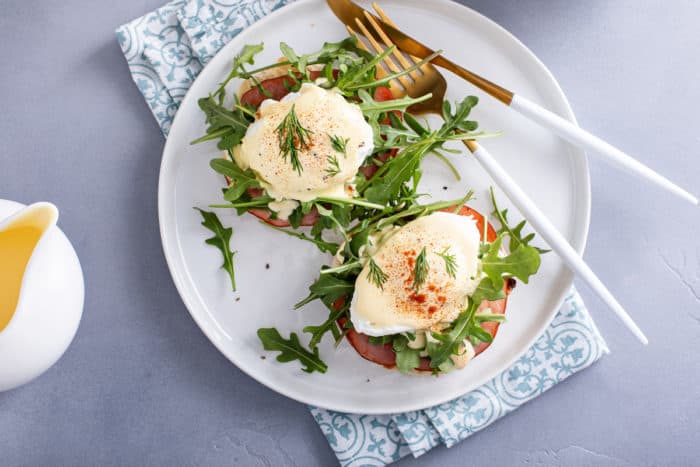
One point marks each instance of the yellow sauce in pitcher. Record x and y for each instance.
(16, 247)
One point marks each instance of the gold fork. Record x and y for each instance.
(428, 80)
(418, 82)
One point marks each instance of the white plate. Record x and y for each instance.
(551, 171)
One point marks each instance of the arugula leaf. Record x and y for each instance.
(514, 234)
(291, 349)
(323, 246)
(328, 288)
(343, 268)
(373, 109)
(476, 332)
(381, 340)
(446, 344)
(241, 179)
(387, 182)
(458, 120)
(365, 76)
(338, 216)
(489, 316)
(343, 213)
(288, 52)
(407, 359)
(344, 54)
(221, 239)
(317, 332)
(229, 126)
(522, 262)
(487, 291)
(414, 142)
(247, 55)
(359, 239)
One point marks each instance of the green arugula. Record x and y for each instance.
(317, 332)
(328, 288)
(323, 246)
(381, 340)
(247, 55)
(514, 234)
(226, 125)
(522, 262)
(489, 316)
(221, 239)
(407, 359)
(241, 180)
(414, 142)
(291, 349)
(477, 334)
(446, 344)
(344, 55)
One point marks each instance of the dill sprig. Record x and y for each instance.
(450, 262)
(292, 137)
(339, 144)
(420, 271)
(333, 168)
(376, 275)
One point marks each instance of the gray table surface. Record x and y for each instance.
(141, 384)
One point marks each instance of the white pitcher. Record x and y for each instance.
(41, 291)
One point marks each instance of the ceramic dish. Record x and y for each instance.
(274, 270)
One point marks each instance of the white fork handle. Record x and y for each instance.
(551, 235)
(584, 139)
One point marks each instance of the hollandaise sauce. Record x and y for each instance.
(16, 247)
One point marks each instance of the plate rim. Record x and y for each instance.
(579, 241)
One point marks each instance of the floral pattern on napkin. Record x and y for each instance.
(167, 48)
(571, 343)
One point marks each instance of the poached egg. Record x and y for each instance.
(396, 306)
(325, 171)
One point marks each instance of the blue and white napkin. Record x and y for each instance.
(166, 49)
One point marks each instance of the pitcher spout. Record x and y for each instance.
(41, 216)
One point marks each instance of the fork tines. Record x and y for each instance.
(378, 44)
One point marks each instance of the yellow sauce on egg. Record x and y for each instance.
(324, 113)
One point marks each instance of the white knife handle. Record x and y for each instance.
(554, 239)
(584, 139)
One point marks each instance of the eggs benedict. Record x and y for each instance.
(309, 144)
